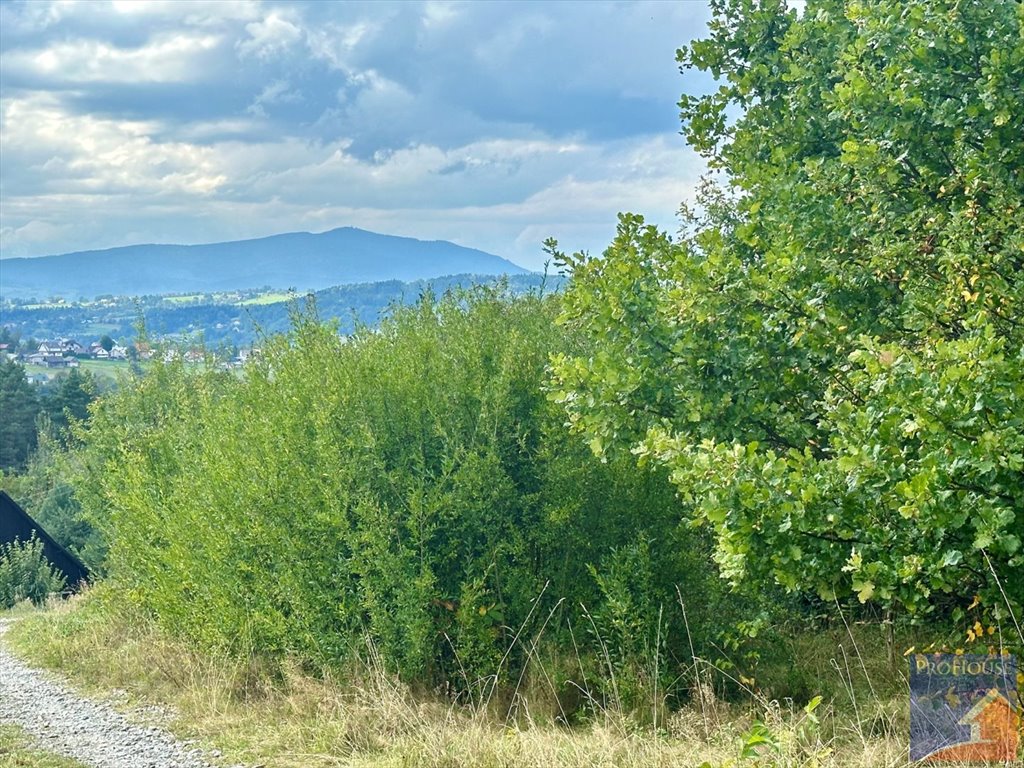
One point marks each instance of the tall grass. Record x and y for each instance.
(283, 714)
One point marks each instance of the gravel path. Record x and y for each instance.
(91, 732)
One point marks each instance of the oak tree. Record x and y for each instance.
(828, 359)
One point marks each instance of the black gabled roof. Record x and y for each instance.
(16, 524)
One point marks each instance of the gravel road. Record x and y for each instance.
(69, 724)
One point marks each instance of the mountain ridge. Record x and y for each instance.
(299, 260)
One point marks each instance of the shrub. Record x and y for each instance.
(413, 484)
(26, 574)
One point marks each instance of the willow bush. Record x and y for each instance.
(413, 482)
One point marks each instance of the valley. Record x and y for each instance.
(233, 318)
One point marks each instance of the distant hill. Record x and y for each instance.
(298, 260)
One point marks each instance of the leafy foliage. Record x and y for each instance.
(829, 360)
(25, 574)
(412, 483)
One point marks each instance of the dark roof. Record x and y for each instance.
(16, 524)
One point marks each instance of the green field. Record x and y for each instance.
(108, 369)
(266, 298)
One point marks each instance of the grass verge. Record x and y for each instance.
(279, 715)
(17, 750)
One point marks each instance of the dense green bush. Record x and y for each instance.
(25, 574)
(414, 483)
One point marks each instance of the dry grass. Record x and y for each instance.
(286, 718)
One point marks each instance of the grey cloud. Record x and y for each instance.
(452, 120)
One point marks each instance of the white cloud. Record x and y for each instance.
(270, 37)
(191, 12)
(439, 13)
(222, 130)
(505, 43)
(85, 154)
(211, 14)
(34, 232)
(501, 195)
(21, 17)
(335, 44)
(168, 58)
(36, 16)
(276, 92)
(143, 8)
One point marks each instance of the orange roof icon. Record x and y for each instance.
(995, 733)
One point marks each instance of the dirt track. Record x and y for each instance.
(72, 725)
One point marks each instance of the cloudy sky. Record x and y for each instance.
(490, 124)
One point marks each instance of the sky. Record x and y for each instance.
(494, 125)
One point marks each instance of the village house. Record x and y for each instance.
(55, 354)
(72, 347)
(50, 349)
(51, 360)
(15, 524)
(245, 354)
